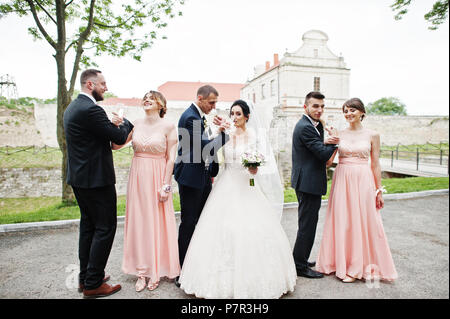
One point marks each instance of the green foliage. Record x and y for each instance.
(108, 95)
(23, 102)
(387, 106)
(428, 147)
(436, 16)
(100, 26)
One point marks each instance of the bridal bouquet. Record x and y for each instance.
(252, 159)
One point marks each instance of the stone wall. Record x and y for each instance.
(17, 128)
(36, 182)
(30, 182)
(408, 130)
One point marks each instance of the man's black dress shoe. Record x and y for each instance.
(177, 283)
(309, 273)
(311, 263)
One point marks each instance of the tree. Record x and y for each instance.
(87, 29)
(387, 106)
(436, 16)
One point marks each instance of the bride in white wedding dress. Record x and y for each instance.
(239, 248)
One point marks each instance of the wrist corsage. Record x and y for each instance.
(167, 188)
(381, 189)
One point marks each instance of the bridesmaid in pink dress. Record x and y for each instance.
(150, 247)
(354, 244)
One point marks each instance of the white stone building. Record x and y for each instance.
(313, 67)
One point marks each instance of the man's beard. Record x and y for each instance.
(97, 96)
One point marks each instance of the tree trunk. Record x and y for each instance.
(63, 100)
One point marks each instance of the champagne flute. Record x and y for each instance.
(120, 114)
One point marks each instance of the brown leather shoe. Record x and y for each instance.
(81, 286)
(102, 291)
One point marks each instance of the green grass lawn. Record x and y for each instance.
(23, 210)
(49, 157)
(37, 209)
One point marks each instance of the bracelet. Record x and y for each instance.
(381, 189)
(167, 188)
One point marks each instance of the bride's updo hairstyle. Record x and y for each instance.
(244, 106)
(357, 104)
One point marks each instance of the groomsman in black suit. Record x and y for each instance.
(90, 172)
(309, 178)
(196, 162)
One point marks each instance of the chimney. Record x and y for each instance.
(267, 65)
(275, 59)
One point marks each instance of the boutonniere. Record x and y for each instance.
(205, 123)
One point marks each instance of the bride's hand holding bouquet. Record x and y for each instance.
(251, 160)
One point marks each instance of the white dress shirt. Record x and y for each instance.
(199, 110)
(209, 133)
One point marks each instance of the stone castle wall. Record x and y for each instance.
(36, 182)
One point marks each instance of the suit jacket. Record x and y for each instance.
(309, 157)
(89, 134)
(190, 167)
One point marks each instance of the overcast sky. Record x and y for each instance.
(222, 41)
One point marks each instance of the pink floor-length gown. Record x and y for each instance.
(150, 247)
(354, 242)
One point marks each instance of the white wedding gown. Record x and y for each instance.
(239, 248)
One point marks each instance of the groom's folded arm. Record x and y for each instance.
(101, 126)
(314, 143)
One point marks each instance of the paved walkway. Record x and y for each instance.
(43, 263)
(410, 168)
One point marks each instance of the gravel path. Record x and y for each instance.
(44, 264)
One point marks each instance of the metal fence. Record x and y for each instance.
(10, 150)
(428, 154)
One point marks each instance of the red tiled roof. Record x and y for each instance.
(183, 91)
(186, 91)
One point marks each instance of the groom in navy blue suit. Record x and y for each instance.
(196, 162)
